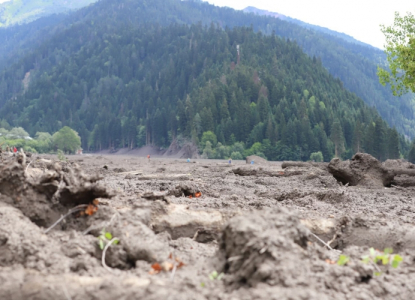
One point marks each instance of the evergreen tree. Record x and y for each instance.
(393, 144)
(337, 138)
(357, 137)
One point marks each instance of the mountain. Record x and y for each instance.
(354, 64)
(24, 11)
(149, 84)
(128, 73)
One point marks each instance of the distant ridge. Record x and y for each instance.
(23, 11)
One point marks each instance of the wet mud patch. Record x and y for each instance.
(264, 247)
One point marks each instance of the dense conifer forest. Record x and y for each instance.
(151, 84)
(354, 63)
(128, 73)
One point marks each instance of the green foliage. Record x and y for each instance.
(66, 140)
(104, 238)
(411, 154)
(208, 151)
(147, 84)
(338, 138)
(236, 155)
(216, 276)
(386, 258)
(317, 156)
(208, 136)
(55, 40)
(23, 11)
(400, 50)
(343, 259)
(61, 155)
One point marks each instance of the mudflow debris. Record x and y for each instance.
(177, 230)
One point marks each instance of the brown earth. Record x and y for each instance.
(255, 224)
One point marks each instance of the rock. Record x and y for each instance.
(138, 240)
(180, 221)
(363, 170)
(256, 159)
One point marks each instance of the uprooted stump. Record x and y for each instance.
(363, 170)
(43, 196)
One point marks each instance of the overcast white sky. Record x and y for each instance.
(359, 19)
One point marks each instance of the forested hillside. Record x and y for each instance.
(354, 64)
(23, 11)
(150, 84)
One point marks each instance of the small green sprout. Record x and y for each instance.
(343, 259)
(386, 258)
(216, 276)
(104, 238)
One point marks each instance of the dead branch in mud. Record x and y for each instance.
(324, 243)
(261, 172)
(301, 164)
(131, 173)
(105, 250)
(71, 211)
(92, 227)
(165, 177)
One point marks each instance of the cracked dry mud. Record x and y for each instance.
(255, 223)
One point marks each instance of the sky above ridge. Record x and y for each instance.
(359, 19)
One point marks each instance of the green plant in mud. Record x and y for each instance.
(213, 276)
(376, 257)
(216, 276)
(105, 240)
(386, 258)
(343, 259)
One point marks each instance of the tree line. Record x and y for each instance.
(151, 84)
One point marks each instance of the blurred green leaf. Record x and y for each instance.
(388, 251)
(343, 259)
(101, 244)
(108, 235)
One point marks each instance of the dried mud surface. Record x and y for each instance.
(253, 223)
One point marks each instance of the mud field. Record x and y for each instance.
(203, 229)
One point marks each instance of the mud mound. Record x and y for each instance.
(251, 244)
(268, 253)
(398, 164)
(178, 150)
(43, 195)
(22, 242)
(256, 160)
(362, 170)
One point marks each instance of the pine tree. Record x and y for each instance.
(337, 138)
(393, 144)
(379, 145)
(357, 137)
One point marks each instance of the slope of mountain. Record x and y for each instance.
(131, 86)
(354, 64)
(23, 11)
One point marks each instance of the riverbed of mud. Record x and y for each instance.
(203, 229)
